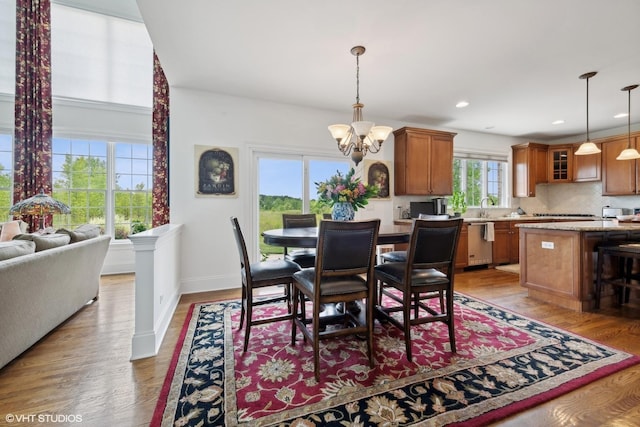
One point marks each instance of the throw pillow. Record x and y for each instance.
(16, 248)
(83, 232)
(46, 241)
(9, 230)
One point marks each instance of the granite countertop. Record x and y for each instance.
(521, 218)
(599, 225)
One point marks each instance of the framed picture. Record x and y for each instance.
(377, 173)
(216, 171)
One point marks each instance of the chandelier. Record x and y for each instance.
(587, 147)
(361, 136)
(629, 153)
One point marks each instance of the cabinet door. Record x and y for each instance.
(587, 168)
(529, 168)
(560, 162)
(618, 176)
(441, 162)
(514, 243)
(417, 165)
(501, 243)
(520, 173)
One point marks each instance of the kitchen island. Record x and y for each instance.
(558, 259)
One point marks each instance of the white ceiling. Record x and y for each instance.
(516, 62)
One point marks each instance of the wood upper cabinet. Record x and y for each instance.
(423, 162)
(619, 177)
(529, 168)
(587, 168)
(560, 163)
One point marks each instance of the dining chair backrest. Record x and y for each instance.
(434, 243)
(346, 247)
(299, 220)
(241, 245)
(433, 217)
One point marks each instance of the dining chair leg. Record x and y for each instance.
(316, 343)
(242, 306)
(406, 323)
(249, 320)
(451, 322)
(370, 327)
(294, 316)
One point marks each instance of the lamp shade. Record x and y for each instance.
(362, 128)
(39, 205)
(628, 154)
(380, 133)
(339, 132)
(587, 148)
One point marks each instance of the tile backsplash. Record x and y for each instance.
(578, 197)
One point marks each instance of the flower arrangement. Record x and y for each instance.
(347, 188)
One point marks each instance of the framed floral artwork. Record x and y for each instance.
(216, 171)
(377, 173)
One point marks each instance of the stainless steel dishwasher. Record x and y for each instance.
(480, 250)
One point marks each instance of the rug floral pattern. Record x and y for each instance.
(503, 361)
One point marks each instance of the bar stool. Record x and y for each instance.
(626, 253)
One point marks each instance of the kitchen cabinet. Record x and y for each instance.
(587, 168)
(529, 168)
(462, 254)
(619, 177)
(423, 162)
(560, 163)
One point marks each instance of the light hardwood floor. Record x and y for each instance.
(82, 368)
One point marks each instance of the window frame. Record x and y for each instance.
(504, 201)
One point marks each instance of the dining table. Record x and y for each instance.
(307, 237)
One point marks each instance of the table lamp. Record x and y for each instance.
(39, 205)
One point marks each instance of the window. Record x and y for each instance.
(6, 175)
(286, 184)
(479, 179)
(81, 171)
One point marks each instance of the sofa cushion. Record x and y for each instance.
(45, 241)
(83, 232)
(16, 248)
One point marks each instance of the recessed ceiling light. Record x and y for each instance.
(557, 122)
(462, 104)
(621, 115)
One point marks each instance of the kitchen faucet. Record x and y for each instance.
(483, 212)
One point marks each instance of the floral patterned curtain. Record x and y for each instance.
(160, 145)
(33, 117)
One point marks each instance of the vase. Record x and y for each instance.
(342, 211)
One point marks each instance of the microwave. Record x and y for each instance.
(437, 206)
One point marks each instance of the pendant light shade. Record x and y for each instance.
(587, 147)
(629, 153)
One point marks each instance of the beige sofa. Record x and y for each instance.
(40, 290)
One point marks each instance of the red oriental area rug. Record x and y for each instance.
(505, 363)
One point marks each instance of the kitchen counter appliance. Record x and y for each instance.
(435, 206)
(480, 250)
(608, 212)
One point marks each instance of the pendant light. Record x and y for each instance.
(587, 147)
(361, 136)
(629, 153)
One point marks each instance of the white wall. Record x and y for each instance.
(210, 258)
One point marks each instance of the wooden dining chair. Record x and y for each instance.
(401, 256)
(343, 273)
(261, 274)
(303, 257)
(427, 272)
